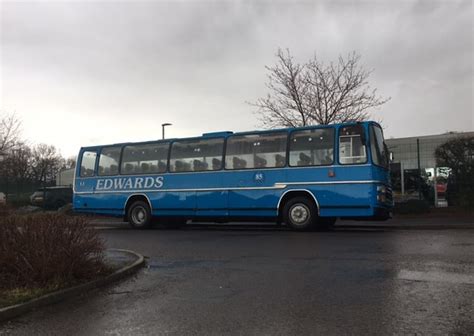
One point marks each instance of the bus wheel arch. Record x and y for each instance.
(300, 201)
(138, 211)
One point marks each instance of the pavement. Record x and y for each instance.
(267, 280)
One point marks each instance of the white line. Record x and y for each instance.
(278, 185)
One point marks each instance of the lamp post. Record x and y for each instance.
(163, 129)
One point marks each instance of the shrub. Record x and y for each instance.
(5, 210)
(48, 251)
(458, 154)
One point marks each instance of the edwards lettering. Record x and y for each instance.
(129, 183)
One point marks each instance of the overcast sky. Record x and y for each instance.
(96, 72)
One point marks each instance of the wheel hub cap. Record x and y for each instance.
(139, 215)
(299, 214)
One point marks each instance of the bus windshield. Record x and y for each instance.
(378, 148)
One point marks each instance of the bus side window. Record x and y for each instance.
(313, 147)
(351, 148)
(196, 155)
(280, 160)
(260, 162)
(266, 150)
(216, 164)
(108, 160)
(304, 160)
(88, 163)
(145, 158)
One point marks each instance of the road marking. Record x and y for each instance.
(436, 276)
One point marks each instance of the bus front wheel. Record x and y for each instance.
(300, 213)
(139, 215)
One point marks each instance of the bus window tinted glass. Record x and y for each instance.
(196, 155)
(377, 147)
(109, 161)
(256, 151)
(88, 163)
(351, 148)
(145, 159)
(312, 147)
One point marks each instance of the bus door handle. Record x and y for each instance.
(331, 173)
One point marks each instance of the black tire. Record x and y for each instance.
(300, 214)
(139, 215)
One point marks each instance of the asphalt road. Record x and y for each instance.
(270, 281)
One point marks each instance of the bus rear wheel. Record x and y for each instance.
(139, 215)
(300, 214)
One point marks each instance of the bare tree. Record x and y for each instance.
(314, 93)
(10, 129)
(16, 167)
(70, 162)
(46, 163)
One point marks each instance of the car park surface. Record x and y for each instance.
(265, 280)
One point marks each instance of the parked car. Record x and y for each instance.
(52, 197)
(3, 199)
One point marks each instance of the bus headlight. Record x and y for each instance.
(381, 194)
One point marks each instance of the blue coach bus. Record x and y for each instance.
(304, 177)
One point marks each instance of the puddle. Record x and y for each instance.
(436, 276)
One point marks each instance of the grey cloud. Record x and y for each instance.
(192, 61)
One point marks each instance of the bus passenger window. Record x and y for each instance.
(265, 150)
(304, 160)
(108, 160)
(128, 168)
(312, 147)
(260, 162)
(216, 164)
(113, 169)
(196, 155)
(199, 165)
(280, 160)
(150, 158)
(145, 167)
(351, 148)
(88, 164)
(239, 163)
(161, 166)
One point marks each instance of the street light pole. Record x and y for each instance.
(163, 129)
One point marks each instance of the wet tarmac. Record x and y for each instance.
(270, 281)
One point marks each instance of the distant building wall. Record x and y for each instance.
(404, 149)
(65, 177)
(430, 183)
